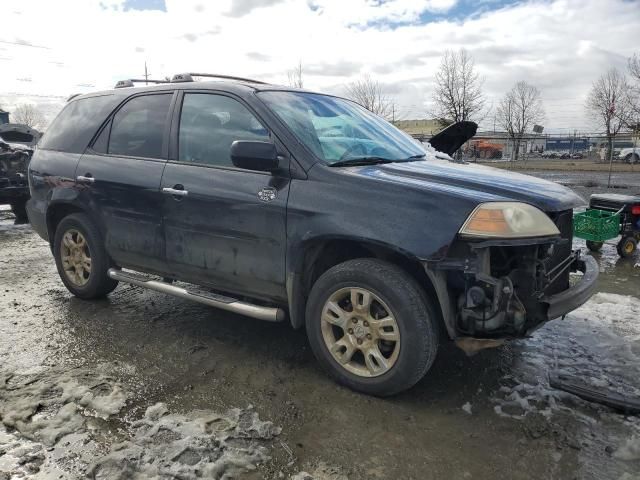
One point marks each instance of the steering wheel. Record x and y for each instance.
(352, 149)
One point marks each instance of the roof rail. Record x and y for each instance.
(130, 81)
(188, 77)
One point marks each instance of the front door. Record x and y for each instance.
(224, 226)
(120, 175)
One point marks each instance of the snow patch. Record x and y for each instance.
(48, 405)
(598, 343)
(194, 445)
(467, 408)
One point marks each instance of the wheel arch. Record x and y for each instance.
(56, 211)
(316, 256)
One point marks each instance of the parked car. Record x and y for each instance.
(14, 189)
(224, 193)
(630, 155)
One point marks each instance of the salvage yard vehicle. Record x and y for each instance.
(287, 205)
(14, 188)
(630, 155)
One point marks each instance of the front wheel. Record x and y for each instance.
(627, 246)
(594, 246)
(81, 258)
(372, 327)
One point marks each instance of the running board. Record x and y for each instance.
(270, 314)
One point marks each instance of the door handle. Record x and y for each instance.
(175, 191)
(85, 178)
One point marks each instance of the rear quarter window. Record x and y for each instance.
(75, 125)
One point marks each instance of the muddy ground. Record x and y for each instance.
(141, 385)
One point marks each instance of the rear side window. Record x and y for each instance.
(138, 127)
(76, 124)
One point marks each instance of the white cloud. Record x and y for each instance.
(363, 12)
(561, 46)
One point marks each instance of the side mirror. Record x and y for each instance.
(250, 155)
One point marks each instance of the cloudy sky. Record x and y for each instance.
(51, 49)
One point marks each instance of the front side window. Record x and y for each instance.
(337, 130)
(210, 123)
(138, 127)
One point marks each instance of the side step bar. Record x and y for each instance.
(270, 314)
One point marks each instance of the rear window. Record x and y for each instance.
(76, 124)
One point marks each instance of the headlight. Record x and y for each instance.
(508, 220)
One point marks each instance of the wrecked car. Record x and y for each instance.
(14, 188)
(292, 206)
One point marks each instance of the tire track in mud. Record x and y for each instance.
(65, 413)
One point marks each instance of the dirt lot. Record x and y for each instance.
(142, 385)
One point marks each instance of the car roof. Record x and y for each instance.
(238, 87)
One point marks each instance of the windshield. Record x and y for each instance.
(337, 130)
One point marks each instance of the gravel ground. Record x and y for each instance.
(142, 385)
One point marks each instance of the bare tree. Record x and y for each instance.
(369, 93)
(519, 110)
(28, 115)
(458, 93)
(610, 105)
(295, 76)
(634, 72)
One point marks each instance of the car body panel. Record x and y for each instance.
(125, 201)
(222, 233)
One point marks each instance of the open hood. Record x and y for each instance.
(453, 137)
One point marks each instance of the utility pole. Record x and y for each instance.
(146, 74)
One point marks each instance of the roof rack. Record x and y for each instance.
(129, 82)
(188, 77)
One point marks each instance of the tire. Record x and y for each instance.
(19, 209)
(627, 246)
(594, 246)
(632, 158)
(416, 327)
(94, 283)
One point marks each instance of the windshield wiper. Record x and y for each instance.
(415, 157)
(360, 161)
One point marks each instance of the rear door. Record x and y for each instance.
(120, 174)
(224, 226)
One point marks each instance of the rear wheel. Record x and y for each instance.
(371, 326)
(81, 258)
(627, 246)
(594, 246)
(19, 209)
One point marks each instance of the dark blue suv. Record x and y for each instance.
(288, 205)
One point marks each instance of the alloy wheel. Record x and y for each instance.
(360, 331)
(76, 257)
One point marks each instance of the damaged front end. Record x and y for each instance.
(498, 289)
(14, 161)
